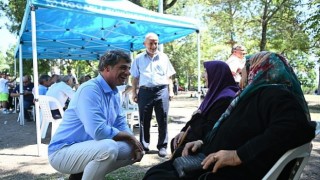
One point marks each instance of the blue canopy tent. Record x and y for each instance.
(86, 29)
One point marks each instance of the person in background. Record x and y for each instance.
(221, 90)
(55, 79)
(27, 95)
(61, 91)
(151, 72)
(84, 79)
(175, 86)
(4, 92)
(74, 78)
(269, 117)
(44, 83)
(94, 137)
(11, 86)
(236, 61)
(88, 77)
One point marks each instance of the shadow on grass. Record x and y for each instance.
(14, 175)
(132, 172)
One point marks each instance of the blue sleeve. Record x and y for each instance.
(135, 69)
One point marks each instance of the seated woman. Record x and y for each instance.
(221, 90)
(269, 117)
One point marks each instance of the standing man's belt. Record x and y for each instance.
(154, 87)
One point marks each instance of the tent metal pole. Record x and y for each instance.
(21, 113)
(15, 75)
(160, 9)
(35, 75)
(199, 72)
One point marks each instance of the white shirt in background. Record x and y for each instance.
(235, 63)
(61, 91)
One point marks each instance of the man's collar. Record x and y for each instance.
(105, 86)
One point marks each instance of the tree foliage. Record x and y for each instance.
(14, 10)
(290, 27)
(153, 4)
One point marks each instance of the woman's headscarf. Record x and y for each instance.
(271, 69)
(220, 84)
(265, 69)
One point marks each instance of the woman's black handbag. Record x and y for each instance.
(185, 165)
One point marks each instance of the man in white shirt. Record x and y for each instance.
(61, 91)
(236, 61)
(151, 72)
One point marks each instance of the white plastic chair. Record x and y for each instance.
(131, 111)
(46, 116)
(301, 154)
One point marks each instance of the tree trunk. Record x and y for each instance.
(264, 25)
(263, 36)
(319, 83)
(167, 5)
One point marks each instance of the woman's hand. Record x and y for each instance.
(221, 159)
(177, 139)
(191, 146)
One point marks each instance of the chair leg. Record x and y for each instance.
(44, 128)
(34, 113)
(18, 118)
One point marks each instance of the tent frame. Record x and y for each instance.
(32, 10)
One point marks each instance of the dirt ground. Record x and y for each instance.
(19, 158)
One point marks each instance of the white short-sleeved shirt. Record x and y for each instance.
(152, 71)
(121, 89)
(235, 63)
(61, 91)
(4, 85)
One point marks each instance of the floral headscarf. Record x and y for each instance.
(265, 69)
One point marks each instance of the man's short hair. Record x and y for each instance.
(66, 78)
(237, 46)
(44, 78)
(112, 58)
(56, 78)
(151, 34)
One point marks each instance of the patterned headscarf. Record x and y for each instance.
(221, 84)
(265, 69)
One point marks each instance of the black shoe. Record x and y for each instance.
(162, 152)
(146, 149)
(76, 176)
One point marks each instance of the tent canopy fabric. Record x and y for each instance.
(86, 29)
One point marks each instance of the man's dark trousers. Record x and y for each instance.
(156, 98)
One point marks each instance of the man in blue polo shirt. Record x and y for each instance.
(94, 137)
